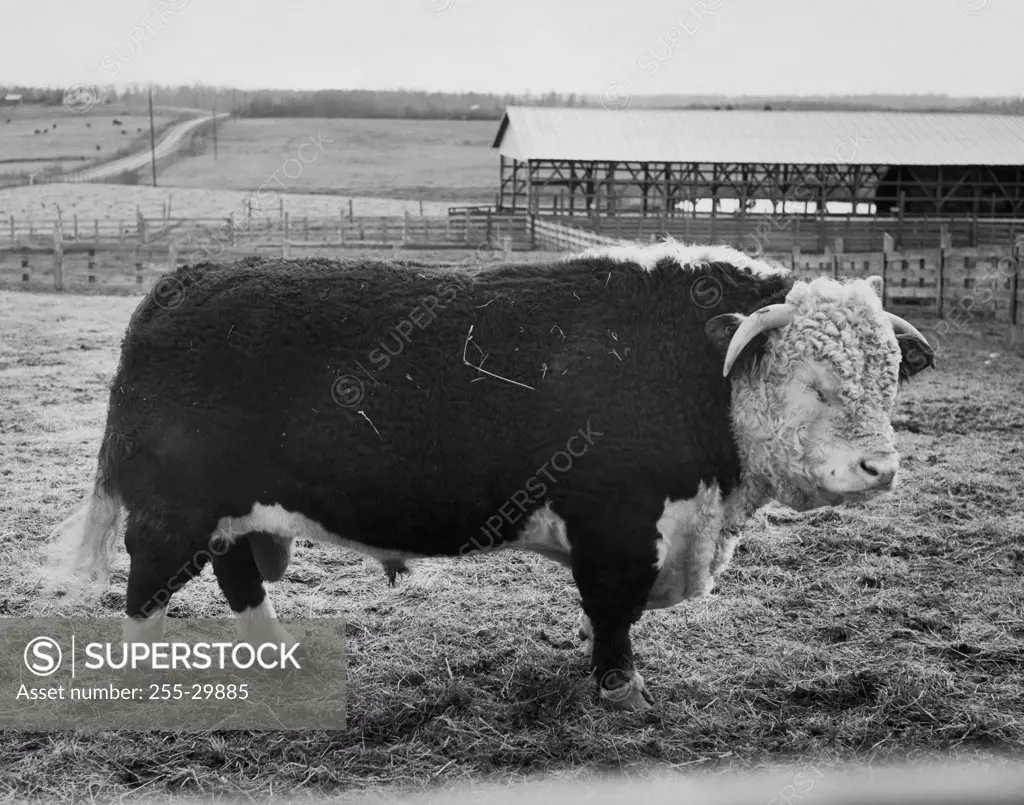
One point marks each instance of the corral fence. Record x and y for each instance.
(283, 230)
(981, 282)
(940, 279)
(783, 232)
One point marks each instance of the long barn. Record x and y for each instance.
(690, 172)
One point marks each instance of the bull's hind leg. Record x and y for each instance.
(166, 553)
(241, 581)
(613, 563)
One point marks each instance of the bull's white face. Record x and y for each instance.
(813, 418)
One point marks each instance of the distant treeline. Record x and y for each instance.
(420, 105)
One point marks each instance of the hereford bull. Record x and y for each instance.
(690, 385)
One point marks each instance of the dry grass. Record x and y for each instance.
(435, 160)
(876, 633)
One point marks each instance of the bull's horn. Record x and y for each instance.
(766, 318)
(903, 327)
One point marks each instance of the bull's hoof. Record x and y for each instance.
(621, 690)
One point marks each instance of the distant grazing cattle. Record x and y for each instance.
(139, 130)
(37, 131)
(124, 131)
(97, 148)
(53, 126)
(7, 121)
(88, 125)
(623, 412)
(116, 122)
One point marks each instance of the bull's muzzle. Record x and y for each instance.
(877, 471)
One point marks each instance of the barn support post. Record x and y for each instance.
(58, 258)
(1018, 259)
(902, 208)
(940, 277)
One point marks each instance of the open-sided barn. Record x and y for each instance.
(844, 168)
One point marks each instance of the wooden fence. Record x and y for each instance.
(456, 231)
(983, 281)
(783, 232)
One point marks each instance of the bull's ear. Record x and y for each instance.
(877, 285)
(917, 355)
(720, 331)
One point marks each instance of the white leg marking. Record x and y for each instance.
(145, 631)
(544, 533)
(586, 633)
(259, 624)
(690, 534)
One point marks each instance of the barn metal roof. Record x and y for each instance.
(741, 135)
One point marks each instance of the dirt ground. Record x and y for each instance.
(882, 632)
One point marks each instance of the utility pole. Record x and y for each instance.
(152, 135)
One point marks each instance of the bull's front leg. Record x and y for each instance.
(614, 569)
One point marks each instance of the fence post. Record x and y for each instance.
(350, 213)
(286, 249)
(421, 208)
(506, 248)
(96, 230)
(74, 219)
(58, 258)
(12, 231)
(405, 227)
(91, 272)
(488, 227)
(281, 215)
(172, 256)
(285, 229)
(795, 258)
(305, 227)
(888, 247)
(24, 268)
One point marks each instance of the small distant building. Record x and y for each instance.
(12, 99)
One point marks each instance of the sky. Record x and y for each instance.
(801, 47)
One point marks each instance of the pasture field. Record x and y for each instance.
(872, 633)
(71, 138)
(434, 160)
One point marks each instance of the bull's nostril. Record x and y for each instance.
(868, 469)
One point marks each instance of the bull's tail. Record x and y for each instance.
(83, 546)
